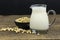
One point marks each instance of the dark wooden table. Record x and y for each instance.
(8, 21)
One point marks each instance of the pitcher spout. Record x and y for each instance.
(38, 5)
(38, 8)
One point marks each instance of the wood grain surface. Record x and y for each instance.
(8, 21)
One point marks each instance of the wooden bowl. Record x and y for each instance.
(23, 25)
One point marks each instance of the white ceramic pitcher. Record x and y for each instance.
(39, 17)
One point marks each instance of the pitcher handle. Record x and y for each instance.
(54, 13)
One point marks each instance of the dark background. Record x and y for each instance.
(22, 6)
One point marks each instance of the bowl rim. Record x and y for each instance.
(21, 22)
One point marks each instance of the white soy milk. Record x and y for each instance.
(39, 19)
